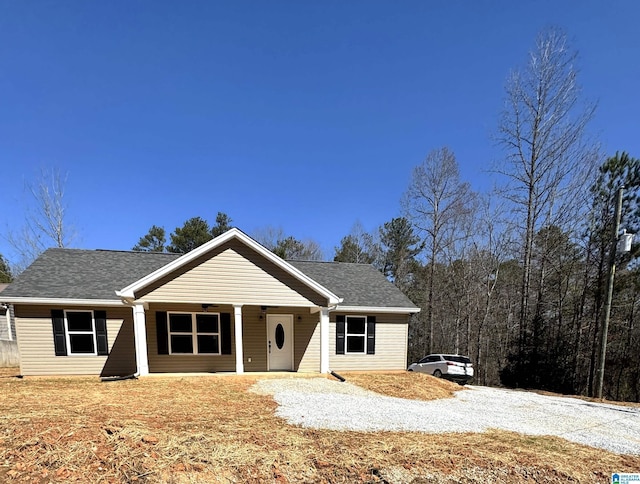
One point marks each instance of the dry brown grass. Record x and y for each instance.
(408, 384)
(9, 372)
(210, 429)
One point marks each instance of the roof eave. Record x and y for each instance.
(377, 309)
(55, 301)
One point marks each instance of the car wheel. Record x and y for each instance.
(437, 374)
(410, 369)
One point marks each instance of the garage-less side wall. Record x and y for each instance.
(391, 345)
(37, 354)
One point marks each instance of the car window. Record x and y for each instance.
(457, 359)
(429, 359)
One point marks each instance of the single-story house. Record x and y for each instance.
(230, 305)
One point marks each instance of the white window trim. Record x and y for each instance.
(359, 335)
(67, 333)
(194, 333)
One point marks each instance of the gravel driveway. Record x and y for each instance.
(326, 404)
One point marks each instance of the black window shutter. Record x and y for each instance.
(161, 333)
(225, 337)
(59, 338)
(340, 319)
(101, 332)
(371, 335)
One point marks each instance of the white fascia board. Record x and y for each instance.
(129, 291)
(52, 301)
(374, 309)
(217, 302)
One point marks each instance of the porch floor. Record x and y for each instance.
(261, 374)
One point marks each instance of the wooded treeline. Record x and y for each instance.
(462, 262)
(517, 279)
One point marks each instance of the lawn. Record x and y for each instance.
(211, 429)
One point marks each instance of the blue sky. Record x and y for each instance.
(303, 115)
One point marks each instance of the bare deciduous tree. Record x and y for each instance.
(45, 219)
(435, 202)
(547, 157)
(288, 247)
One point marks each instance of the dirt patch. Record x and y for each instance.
(211, 429)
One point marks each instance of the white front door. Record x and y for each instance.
(280, 341)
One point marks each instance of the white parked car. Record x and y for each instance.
(452, 367)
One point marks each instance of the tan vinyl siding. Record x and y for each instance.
(234, 274)
(307, 343)
(254, 338)
(37, 354)
(391, 345)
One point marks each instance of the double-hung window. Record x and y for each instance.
(80, 332)
(194, 333)
(356, 334)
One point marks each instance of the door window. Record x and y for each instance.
(279, 336)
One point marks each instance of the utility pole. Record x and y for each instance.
(607, 307)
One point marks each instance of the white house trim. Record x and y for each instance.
(237, 320)
(324, 340)
(129, 291)
(8, 317)
(140, 336)
(64, 302)
(374, 309)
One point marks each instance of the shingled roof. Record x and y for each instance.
(84, 274)
(357, 284)
(97, 274)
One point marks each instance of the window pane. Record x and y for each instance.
(180, 323)
(181, 343)
(207, 323)
(81, 343)
(207, 344)
(79, 321)
(356, 325)
(355, 344)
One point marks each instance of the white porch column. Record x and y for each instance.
(140, 334)
(324, 340)
(9, 329)
(237, 319)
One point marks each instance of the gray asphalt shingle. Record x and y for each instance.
(358, 284)
(84, 274)
(97, 274)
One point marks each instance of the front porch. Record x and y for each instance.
(229, 338)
